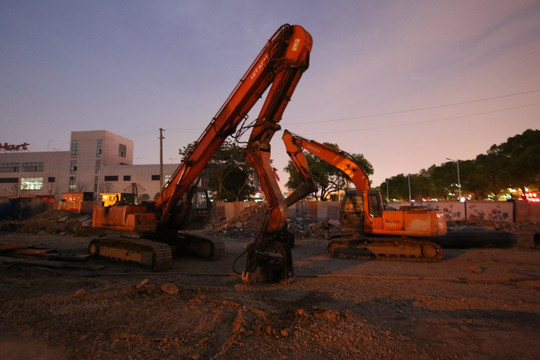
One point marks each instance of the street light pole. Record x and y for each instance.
(458, 178)
(409, 181)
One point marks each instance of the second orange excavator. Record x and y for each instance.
(369, 230)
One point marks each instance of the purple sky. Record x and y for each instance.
(406, 83)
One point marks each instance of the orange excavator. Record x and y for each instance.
(278, 69)
(369, 231)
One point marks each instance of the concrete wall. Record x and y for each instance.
(527, 212)
(518, 211)
(490, 210)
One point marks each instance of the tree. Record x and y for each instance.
(227, 174)
(327, 178)
(443, 179)
(517, 159)
(513, 164)
(472, 181)
(398, 187)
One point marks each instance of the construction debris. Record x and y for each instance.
(52, 222)
(246, 224)
(249, 222)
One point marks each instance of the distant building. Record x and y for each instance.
(98, 161)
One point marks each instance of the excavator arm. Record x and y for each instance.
(260, 266)
(340, 159)
(278, 69)
(281, 63)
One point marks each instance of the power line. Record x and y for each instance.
(348, 130)
(417, 109)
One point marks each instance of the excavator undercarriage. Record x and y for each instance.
(151, 254)
(397, 248)
(155, 255)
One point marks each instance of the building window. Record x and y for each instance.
(99, 149)
(9, 180)
(111, 178)
(155, 177)
(31, 183)
(51, 179)
(74, 148)
(10, 167)
(122, 150)
(127, 177)
(32, 166)
(73, 167)
(98, 166)
(72, 183)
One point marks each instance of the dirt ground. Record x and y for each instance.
(474, 304)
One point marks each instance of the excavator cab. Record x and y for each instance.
(357, 206)
(200, 211)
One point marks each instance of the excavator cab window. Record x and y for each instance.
(375, 206)
(355, 204)
(200, 200)
(352, 213)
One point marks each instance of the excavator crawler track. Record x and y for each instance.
(208, 247)
(151, 254)
(402, 249)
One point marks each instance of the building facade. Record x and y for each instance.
(98, 161)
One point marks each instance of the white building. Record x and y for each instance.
(98, 161)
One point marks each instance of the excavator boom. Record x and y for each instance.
(286, 49)
(294, 145)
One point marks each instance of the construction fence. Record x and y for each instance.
(469, 211)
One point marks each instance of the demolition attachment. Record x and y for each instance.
(270, 263)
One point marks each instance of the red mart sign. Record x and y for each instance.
(10, 147)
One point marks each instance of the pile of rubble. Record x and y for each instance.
(51, 222)
(249, 222)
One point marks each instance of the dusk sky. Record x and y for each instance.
(407, 84)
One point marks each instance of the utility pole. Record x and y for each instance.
(161, 137)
